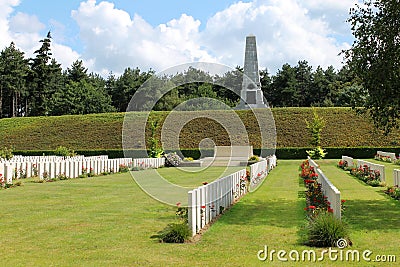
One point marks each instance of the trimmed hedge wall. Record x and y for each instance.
(344, 128)
(281, 153)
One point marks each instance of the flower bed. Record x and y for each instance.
(363, 173)
(4, 185)
(383, 158)
(323, 228)
(316, 201)
(393, 191)
(343, 164)
(368, 176)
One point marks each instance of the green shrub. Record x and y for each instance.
(325, 230)
(393, 191)
(174, 233)
(6, 153)
(123, 168)
(317, 153)
(191, 153)
(172, 160)
(64, 152)
(254, 158)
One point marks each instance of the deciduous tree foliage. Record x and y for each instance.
(375, 58)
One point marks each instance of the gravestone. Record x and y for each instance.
(251, 94)
(229, 156)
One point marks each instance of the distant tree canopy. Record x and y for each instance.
(39, 87)
(375, 58)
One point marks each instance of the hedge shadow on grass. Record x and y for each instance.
(373, 214)
(279, 213)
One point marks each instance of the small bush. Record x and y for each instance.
(123, 168)
(6, 153)
(62, 176)
(64, 152)
(325, 230)
(172, 160)
(317, 153)
(393, 191)
(18, 183)
(174, 233)
(254, 158)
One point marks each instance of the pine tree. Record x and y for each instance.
(14, 69)
(40, 79)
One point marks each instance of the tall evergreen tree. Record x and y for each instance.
(40, 79)
(14, 69)
(266, 81)
(124, 87)
(77, 72)
(283, 87)
(303, 83)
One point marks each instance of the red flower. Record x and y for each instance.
(330, 210)
(343, 200)
(312, 207)
(305, 208)
(203, 207)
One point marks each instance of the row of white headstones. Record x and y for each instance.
(373, 166)
(206, 202)
(52, 167)
(329, 190)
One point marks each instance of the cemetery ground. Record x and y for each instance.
(108, 220)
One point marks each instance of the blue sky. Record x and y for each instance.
(112, 35)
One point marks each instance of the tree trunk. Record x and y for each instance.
(13, 105)
(1, 102)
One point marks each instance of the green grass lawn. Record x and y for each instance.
(108, 221)
(373, 217)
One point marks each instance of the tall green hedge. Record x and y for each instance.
(344, 128)
(281, 153)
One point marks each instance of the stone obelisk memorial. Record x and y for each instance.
(251, 94)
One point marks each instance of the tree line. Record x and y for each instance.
(39, 87)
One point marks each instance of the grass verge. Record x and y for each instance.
(108, 220)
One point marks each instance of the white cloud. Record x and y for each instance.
(115, 41)
(287, 31)
(64, 55)
(6, 8)
(25, 31)
(25, 23)
(334, 12)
